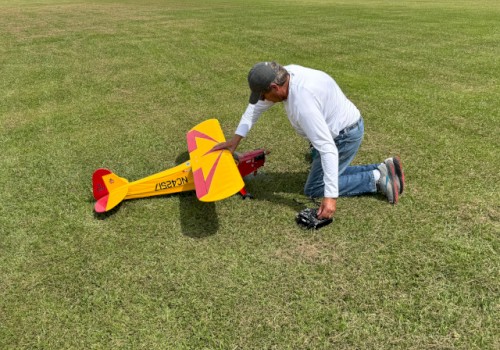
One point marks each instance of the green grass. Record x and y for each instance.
(89, 84)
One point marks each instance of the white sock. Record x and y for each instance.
(376, 174)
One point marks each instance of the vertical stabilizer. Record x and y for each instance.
(109, 189)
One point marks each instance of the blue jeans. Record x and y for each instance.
(353, 180)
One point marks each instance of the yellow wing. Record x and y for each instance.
(216, 175)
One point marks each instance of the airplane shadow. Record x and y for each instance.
(198, 219)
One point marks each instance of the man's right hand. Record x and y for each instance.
(230, 145)
(327, 208)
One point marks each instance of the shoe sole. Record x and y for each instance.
(395, 188)
(398, 168)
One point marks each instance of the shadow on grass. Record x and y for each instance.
(105, 215)
(198, 219)
(282, 189)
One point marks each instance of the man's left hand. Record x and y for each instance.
(327, 208)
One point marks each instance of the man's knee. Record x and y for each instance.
(310, 191)
(307, 192)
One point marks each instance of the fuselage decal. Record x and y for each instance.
(165, 185)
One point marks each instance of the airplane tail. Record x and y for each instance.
(108, 189)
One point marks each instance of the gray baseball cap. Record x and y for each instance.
(259, 78)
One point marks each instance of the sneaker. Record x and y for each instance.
(398, 168)
(388, 182)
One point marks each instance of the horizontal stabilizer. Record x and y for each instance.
(111, 200)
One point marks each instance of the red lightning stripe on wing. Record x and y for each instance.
(202, 184)
(191, 139)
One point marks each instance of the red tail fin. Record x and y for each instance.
(109, 189)
(98, 185)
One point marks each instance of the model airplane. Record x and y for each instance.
(214, 175)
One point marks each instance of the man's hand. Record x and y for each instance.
(327, 208)
(230, 145)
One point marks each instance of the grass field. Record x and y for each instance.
(117, 84)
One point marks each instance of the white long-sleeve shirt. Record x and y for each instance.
(318, 110)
